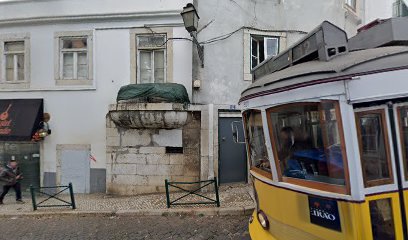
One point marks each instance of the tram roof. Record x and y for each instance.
(381, 45)
(350, 64)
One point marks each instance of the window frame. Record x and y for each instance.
(392, 207)
(351, 4)
(345, 189)
(59, 37)
(247, 75)
(265, 37)
(15, 55)
(403, 144)
(74, 52)
(134, 57)
(151, 50)
(253, 168)
(20, 83)
(398, 8)
(377, 182)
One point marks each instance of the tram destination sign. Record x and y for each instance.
(324, 212)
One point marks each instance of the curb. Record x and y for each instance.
(230, 211)
(61, 213)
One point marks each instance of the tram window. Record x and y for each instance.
(382, 221)
(403, 129)
(308, 145)
(256, 141)
(374, 149)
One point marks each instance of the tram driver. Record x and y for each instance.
(289, 145)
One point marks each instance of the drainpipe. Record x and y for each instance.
(211, 141)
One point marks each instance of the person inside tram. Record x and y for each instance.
(289, 144)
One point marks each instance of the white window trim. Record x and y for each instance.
(353, 13)
(58, 71)
(354, 8)
(265, 46)
(134, 57)
(252, 39)
(282, 36)
(385, 187)
(151, 51)
(75, 61)
(15, 37)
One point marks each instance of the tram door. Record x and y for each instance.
(383, 142)
(232, 156)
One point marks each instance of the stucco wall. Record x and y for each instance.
(222, 77)
(377, 9)
(78, 113)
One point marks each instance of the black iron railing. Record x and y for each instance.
(40, 190)
(203, 184)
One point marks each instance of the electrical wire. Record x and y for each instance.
(176, 38)
(168, 39)
(222, 37)
(227, 35)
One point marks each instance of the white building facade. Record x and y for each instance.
(75, 55)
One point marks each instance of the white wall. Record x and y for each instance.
(55, 8)
(222, 77)
(78, 115)
(182, 59)
(377, 9)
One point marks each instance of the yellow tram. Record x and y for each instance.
(326, 128)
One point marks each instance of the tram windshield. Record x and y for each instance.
(256, 140)
(307, 143)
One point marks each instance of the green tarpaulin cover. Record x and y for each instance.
(154, 92)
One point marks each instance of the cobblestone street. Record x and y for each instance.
(238, 195)
(146, 227)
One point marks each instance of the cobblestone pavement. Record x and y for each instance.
(144, 227)
(237, 195)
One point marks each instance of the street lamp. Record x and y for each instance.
(190, 19)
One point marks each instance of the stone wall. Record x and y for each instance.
(137, 161)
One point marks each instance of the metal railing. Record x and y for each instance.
(192, 192)
(40, 204)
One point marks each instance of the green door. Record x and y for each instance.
(28, 158)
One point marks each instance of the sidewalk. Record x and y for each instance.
(234, 199)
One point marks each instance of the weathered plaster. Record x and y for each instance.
(137, 161)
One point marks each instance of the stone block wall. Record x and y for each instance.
(137, 161)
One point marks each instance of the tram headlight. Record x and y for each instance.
(263, 219)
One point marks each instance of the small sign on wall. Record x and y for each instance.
(324, 212)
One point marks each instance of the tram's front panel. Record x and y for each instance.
(319, 162)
